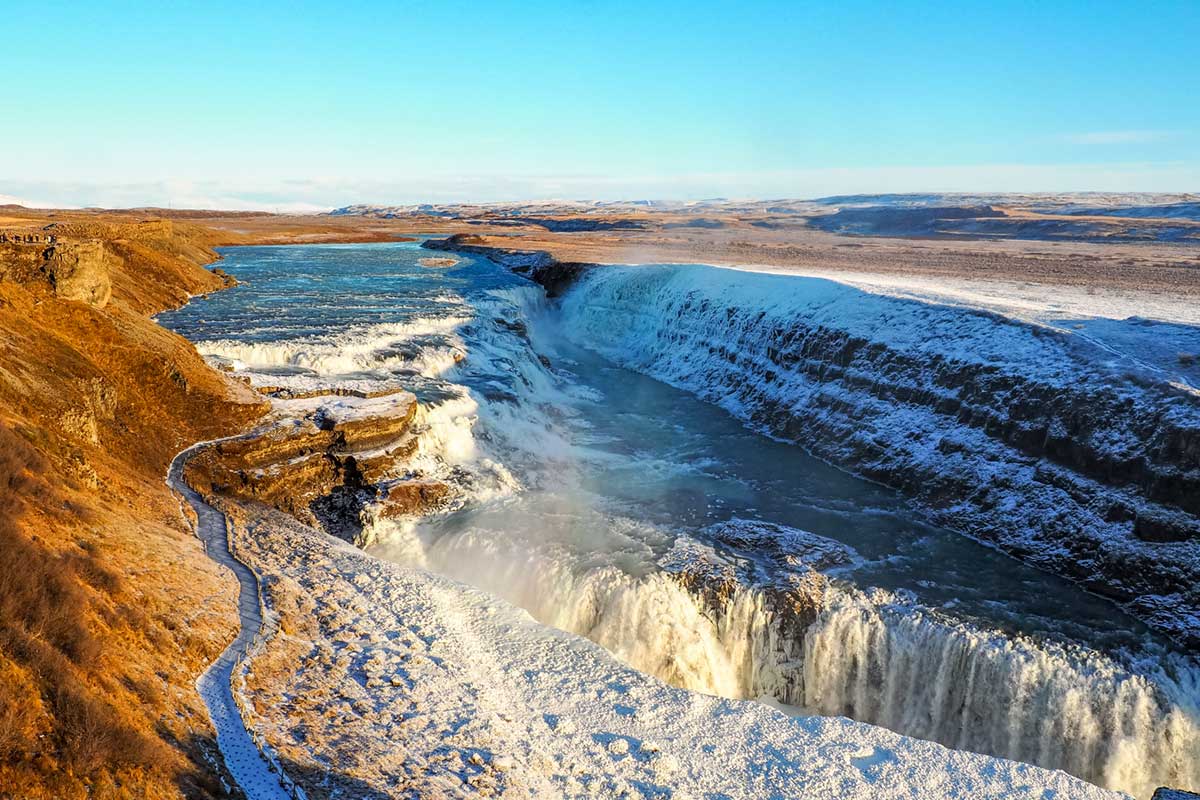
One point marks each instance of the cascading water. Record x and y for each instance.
(874, 657)
(890, 664)
(616, 507)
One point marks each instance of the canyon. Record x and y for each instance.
(460, 400)
(735, 635)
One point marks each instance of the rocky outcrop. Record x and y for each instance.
(554, 276)
(78, 271)
(409, 497)
(325, 467)
(784, 569)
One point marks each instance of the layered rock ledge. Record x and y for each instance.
(324, 459)
(553, 275)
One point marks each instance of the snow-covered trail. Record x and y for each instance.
(258, 778)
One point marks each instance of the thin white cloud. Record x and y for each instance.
(180, 194)
(322, 193)
(1118, 137)
(10, 200)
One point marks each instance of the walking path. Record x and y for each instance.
(255, 772)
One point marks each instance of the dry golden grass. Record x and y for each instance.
(108, 607)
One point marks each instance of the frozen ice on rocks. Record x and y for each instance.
(618, 747)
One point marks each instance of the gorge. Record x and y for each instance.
(600, 473)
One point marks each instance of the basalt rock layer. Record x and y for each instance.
(1055, 450)
(326, 466)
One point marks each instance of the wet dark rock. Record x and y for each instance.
(1163, 793)
(1163, 526)
(516, 326)
(554, 276)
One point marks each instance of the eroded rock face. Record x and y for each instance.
(325, 467)
(786, 567)
(1060, 476)
(78, 271)
(412, 497)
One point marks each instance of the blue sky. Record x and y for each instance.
(307, 104)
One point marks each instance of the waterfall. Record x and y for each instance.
(897, 665)
(501, 422)
(870, 656)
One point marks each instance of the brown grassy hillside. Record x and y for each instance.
(108, 607)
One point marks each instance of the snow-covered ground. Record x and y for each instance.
(393, 682)
(246, 762)
(1124, 314)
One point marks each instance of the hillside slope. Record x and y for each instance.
(108, 607)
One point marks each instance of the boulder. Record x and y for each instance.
(1163, 793)
(413, 497)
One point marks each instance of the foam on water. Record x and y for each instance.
(873, 656)
(426, 346)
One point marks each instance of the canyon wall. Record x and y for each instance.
(1072, 458)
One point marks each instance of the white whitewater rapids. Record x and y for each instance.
(502, 427)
